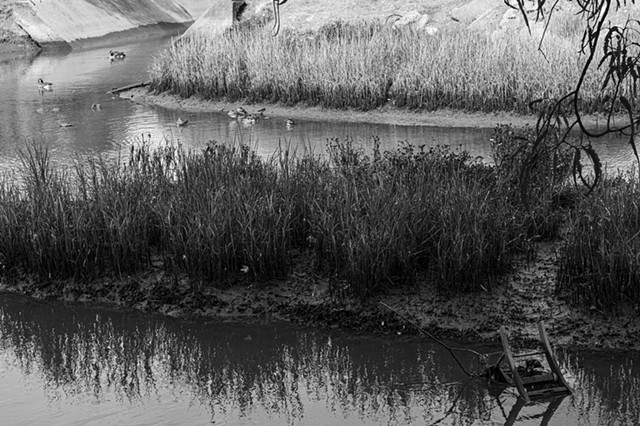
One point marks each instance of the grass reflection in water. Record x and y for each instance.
(276, 372)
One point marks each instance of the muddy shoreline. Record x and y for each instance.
(523, 298)
(384, 115)
(12, 51)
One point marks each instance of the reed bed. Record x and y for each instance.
(599, 263)
(391, 217)
(365, 66)
(224, 214)
(535, 173)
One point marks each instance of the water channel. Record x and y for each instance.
(82, 78)
(71, 364)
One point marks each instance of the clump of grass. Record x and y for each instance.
(599, 264)
(388, 218)
(535, 173)
(367, 65)
(61, 224)
(224, 213)
(208, 215)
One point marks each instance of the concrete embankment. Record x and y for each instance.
(74, 22)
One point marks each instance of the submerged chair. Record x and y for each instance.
(526, 372)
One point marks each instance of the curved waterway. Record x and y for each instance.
(63, 118)
(70, 365)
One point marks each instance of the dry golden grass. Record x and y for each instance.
(364, 66)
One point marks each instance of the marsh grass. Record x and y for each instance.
(386, 219)
(225, 214)
(599, 263)
(535, 173)
(413, 216)
(365, 66)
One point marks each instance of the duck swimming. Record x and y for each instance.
(249, 119)
(290, 122)
(180, 122)
(44, 85)
(115, 55)
(237, 113)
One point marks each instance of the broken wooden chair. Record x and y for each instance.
(526, 372)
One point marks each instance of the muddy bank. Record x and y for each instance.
(9, 50)
(385, 115)
(525, 297)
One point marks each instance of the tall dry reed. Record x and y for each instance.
(365, 66)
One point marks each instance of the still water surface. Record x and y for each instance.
(70, 365)
(82, 78)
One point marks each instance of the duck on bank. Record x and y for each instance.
(114, 55)
(44, 85)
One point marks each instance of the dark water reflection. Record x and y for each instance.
(70, 365)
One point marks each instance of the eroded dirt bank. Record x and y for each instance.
(524, 298)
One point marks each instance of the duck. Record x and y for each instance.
(249, 119)
(114, 54)
(180, 122)
(237, 113)
(44, 85)
(290, 122)
(96, 107)
(65, 124)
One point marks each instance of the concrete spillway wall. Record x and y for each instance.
(74, 21)
(220, 15)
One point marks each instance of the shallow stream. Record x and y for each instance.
(63, 118)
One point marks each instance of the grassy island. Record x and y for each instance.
(413, 217)
(364, 66)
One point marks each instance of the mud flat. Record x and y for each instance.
(527, 297)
